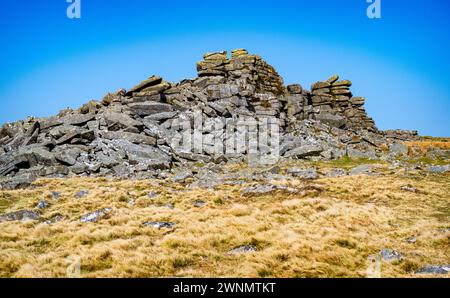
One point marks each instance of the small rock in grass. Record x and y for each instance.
(336, 172)
(411, 240)
(362, 169)
(303, 173)
(409, 188)
(198, 203)
(152, 194)
(55, 195)
(391, 255)
(96, 215)
(42, 204)
(434, 270)
(22, 215)
(159, 224)
(81, 194)
(243, 249)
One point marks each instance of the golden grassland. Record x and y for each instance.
(426, 144)
(328, 228)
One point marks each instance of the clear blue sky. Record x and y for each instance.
(400, 63)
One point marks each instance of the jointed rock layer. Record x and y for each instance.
(130, 133)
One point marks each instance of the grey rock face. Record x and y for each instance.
(21, 215)
(17, 181)
(398, 149)
(303, 151)
(134, 133)
(96, 215)
(150, 108)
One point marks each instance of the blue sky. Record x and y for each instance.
(400, 62)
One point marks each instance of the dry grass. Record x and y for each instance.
(426, 144)
(327, 232)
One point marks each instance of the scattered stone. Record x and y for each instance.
(96, 215)
(390, 255)
(411, 240)
(336, 172)
(243, 249)
(152, 194)
(263, 189)
(303, 151)
(42, 204)
(198, 203)
(54, 219)
(21, 215)
(182, 176)
(438, 169)
(303, 173)
(409, 188)
(17, 182)
(362, 169)
(445, 269)
(159, 224)
(56, 195)
(81, 194)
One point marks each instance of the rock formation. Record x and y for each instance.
(137, 133)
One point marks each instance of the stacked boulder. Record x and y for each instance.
(330, 102)
(142, 132)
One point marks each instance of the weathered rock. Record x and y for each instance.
(121, 119)
(151, 81)
(390, 255)
(42, 204)
(409, 188)
(362, 169)
(303, 173)
(303, 151)
(132, 137)
(336, 172)
(438, 169)
(21, 215)
(445, 269)
(96, 215)
(54, 219)
(182, 175)
(397, 149)
(135, 133)
(16, 182)
(81, 194)
(243, 249)
(198, 203)
(159, 224)
(150, 108)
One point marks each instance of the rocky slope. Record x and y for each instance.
(142, 132)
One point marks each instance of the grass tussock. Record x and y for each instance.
(427, 144)
(329, 231)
